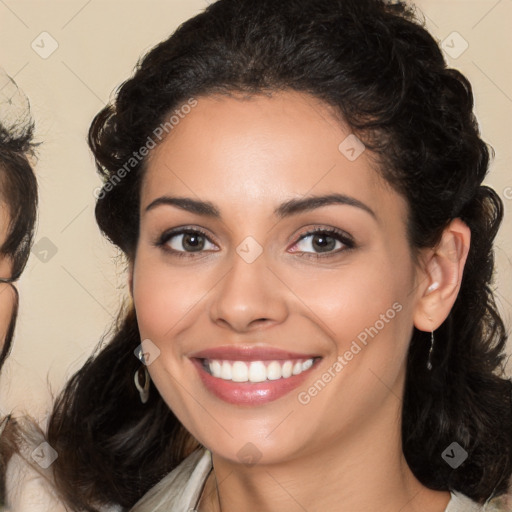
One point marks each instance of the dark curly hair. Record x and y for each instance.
(384, 74)
(18, 192)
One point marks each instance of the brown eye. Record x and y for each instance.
(192, 241)
(185, 242)
(324, 241)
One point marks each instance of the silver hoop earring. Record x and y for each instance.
(429, 362)
(143, 389)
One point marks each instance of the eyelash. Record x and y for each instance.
(334, 233)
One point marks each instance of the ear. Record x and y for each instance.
(442, 276)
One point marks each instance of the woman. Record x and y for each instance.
(297, 187)
(18, 210)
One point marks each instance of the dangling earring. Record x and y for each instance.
(143, 389)
(429, 362)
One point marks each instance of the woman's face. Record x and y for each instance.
(250, 295)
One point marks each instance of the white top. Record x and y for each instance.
(181, 490)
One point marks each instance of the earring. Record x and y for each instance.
(143, 389)
(432, 287)
(429, 362)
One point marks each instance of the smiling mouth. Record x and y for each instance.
(252, 377)
(256, 371)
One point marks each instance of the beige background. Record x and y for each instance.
(69, 301)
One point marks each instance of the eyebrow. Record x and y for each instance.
(286, 209)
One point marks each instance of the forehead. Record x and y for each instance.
(256, 152)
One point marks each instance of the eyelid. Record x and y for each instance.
(325, 229)
(166, 235)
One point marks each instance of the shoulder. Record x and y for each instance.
(181, 488)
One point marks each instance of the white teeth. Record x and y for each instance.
(215, 368)
(306, 365)
(240, 372)
(297, 368)
(256, 371)
(226, 371)
(274, 371)
(287, 369)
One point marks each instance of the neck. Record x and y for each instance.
(365, 471)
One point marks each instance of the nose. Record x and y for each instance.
(250, 296)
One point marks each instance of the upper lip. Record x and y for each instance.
(244, 353)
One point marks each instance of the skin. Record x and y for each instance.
(7, 294)
(5, 263)
(247, 156)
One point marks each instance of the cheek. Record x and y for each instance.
(365, 309)
(162, 297)
(349, 299)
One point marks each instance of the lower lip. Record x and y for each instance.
(250, 393)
